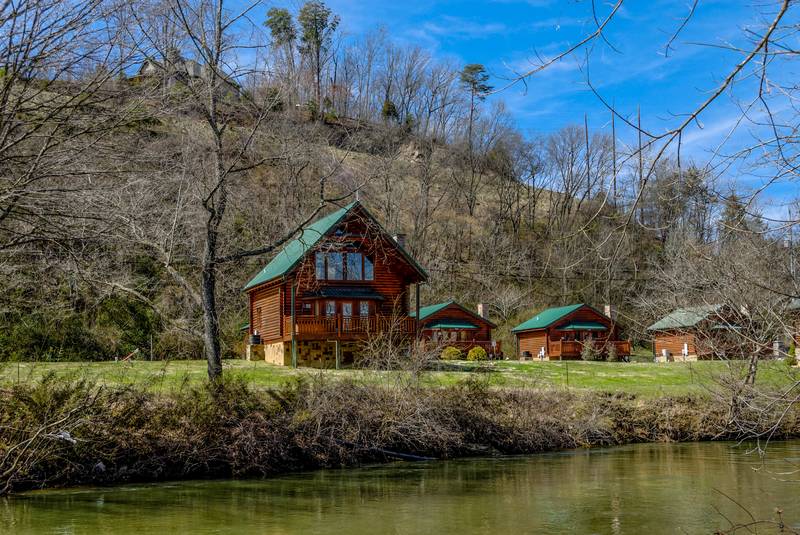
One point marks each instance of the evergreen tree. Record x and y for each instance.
(317, 26)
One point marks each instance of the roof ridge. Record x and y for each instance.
(296, 249)
(551, 315)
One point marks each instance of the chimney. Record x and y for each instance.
(401, 240)
(483, 310)
(610, 311)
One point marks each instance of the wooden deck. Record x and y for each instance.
(340, 327)
(572, 349)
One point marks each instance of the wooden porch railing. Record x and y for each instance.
(338, 325)
(573, 348)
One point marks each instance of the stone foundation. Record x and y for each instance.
(310, 354)
(279, 353)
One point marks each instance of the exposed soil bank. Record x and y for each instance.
(58, 433)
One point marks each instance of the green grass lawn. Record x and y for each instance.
(638, 377)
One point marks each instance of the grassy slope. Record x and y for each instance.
(640, 378)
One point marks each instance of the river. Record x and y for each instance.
(642, 489)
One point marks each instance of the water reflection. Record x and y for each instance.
(654, 488)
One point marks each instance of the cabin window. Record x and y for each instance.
(369, 270)
(347, 309)
(363, 308)
(320, 263)
(343, 266)
(335, 266)
(306, 308)
(330, 308)
(354, 271)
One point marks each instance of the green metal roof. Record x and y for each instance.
(451, 324)
(295, 250)
(545, 318)
(684, 317)
(430, 310)
(583, 326)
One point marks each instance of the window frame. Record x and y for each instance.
(328, 312)
(323, 265)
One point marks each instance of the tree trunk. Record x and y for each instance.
(210, 317)
(752, 368)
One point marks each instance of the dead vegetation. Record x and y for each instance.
(58, 433)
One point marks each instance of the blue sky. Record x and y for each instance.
(507, 35)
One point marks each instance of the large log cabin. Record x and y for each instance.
(685, 333)
(342, 279)
(560, 333)
(451, 324)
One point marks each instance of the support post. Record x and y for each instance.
(416, 315)
(337, 353)
(294, 338)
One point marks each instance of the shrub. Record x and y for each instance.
(590, 351)
(612, 354)
(451, 353)
(477, 353)
(312, 109)
(389, 111)
(791, 356)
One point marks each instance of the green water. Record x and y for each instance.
(650, 489)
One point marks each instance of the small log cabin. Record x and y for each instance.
(450, 324)
(560, 333)
(683, 334)
(341, 280)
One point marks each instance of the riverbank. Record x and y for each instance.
(55, 432)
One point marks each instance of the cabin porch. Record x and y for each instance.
(342, 327)
(571, 349)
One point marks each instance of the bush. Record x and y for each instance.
(477, 353)
(791, 356)
(590, 351)
(451, 353)
(612, 354)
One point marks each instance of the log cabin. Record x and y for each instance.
(343, 279)
(560, 333)
(451, 324)
(683, 334)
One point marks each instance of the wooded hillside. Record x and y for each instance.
(132, 202)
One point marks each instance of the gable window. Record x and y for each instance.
(369, 270)
(354, 271)
(335, 266)
(320, 264)
(353, 266)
